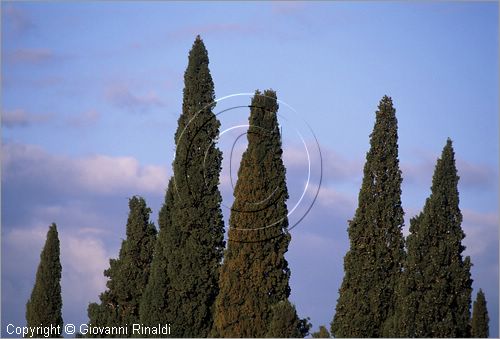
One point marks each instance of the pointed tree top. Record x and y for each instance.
(385, 106)
(198, 53)
(386, 98)
(448, 152)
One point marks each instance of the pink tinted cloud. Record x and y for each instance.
(16, 20)
(472, 175)
(123, 97)
(287, 7)
(97, 174)
(84, 119)
(30, 56)
(22, 118)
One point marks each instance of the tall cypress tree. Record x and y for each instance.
(480, 318)
(129, 274)
(255, 274)
(374, 261)
(193, 241)
(436, 284)
(45, 304)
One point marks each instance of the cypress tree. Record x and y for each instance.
(255, 274)
(436, 284)
(322, 333)
(480, 319)
(45, 304)
(153, 303)
(373, 264)
(128, 275)
(193, 241)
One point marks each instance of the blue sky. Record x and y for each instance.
(91, 93)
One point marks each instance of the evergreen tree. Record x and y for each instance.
(153, 303)
(128, 275)
(480, 319)
(255, 274)
(45, 304)
(322, 333)
(192, 245)
(436, 284)
(374, 261)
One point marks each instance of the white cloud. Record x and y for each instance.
(99, 174)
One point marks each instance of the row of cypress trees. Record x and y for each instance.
(185, 274)
(189, 286)
(418, 289)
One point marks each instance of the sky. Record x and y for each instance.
(91, 94)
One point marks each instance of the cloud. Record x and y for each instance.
(34, 56)
(17, 21)
(481, 230)
(33, 167)
(21, 118)
(288, 7)
(84, 119)
(472, 175)
(122, 97)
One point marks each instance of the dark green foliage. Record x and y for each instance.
(480, 319)
(374, 261)
(128, 275)
(153, 303)
(45, 304)
(255, 274)
(436, 284)
(322, 333)
(191, 241)
(285, 323)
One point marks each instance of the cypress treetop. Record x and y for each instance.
(45, 304)
(373, 263)
(480, 318)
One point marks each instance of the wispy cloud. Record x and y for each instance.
(22, 118)
(17, 21)
(287, 7)
(30, 56)
(84, 119)
(123, 97)
(472, 175)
